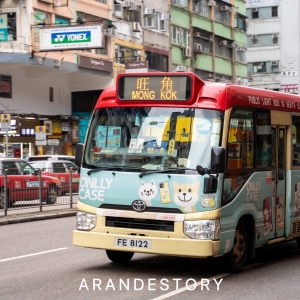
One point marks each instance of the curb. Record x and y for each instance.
(13, 219)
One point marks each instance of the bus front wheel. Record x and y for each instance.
(119, 256)
(238, 254)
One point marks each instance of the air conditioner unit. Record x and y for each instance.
(275, 35)
(243, 49)
(255, 9)
(197, 48)
(118, 11)
(134, 7)
(225, 8)
(274, 62)
(233, 45)
(149, 11)
(136, 27)
(240, 82)
(223, 43)
(187, 52)
(127, 4)
(181, 68)
(254, 37)
(109, 31)
(197, 34)
(165, 16)
(211, 3)
(210, 75)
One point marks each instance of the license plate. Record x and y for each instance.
(132, 243)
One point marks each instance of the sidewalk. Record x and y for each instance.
(23, 215)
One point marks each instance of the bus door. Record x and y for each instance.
(278, 179)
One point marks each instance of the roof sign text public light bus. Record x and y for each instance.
(170, 87)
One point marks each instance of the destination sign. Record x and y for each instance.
(166, 87)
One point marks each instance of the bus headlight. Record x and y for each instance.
(85, 221)
(203, 230)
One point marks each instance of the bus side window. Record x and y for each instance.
(296, 140)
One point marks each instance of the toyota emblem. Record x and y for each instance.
(139, 205)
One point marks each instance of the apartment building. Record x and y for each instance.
(209, 38)
(273, 44)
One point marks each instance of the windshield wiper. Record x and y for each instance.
(173, 170)
(111, 168)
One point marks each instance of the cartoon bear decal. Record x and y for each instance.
(147, 191)
(186, 195)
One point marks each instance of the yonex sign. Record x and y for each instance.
(71, 37)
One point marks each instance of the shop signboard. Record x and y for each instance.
(71, 37)
(41, 143)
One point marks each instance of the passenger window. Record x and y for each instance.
(264, 139)
(11, 168)
(296, 140)
(240, 140)
(59, 168)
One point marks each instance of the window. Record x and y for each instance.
(222, 47)
(259, 67)
(255, 40)
(61, 21)
(223, 13)
(296, 140)
(102, 1)
(124, 54)
(204, 39)
(40, 18)
(275, 38)
(132, 14)
(274, 11)
(8, 29)
(201, 7)
(183, 3)
(155, 21)
(255, 14)
(275, 66)
(176, 35)
(240, 54)
(157, 62)
(180, 36)
(240, 22)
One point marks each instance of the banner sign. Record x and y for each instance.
(71, 37)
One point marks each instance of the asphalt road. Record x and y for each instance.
(38, 261)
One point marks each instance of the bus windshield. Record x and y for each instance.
(151, 138)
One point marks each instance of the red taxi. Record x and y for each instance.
(23, 182)
(61, 169)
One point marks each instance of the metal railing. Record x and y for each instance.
(27, 189)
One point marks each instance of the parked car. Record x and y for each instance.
(23, 182)
(51, 157)
(60, 169)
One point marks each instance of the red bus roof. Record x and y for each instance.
(219, 96)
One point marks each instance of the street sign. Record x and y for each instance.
(40, 133)
(53, 142)
(5, 121)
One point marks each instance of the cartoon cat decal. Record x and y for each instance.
(147, 191)
(186, 195)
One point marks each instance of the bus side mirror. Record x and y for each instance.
(78, 155)
(218, 160)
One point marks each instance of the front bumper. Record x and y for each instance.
(164, 246)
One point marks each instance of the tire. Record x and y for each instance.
(239, 252)
(52, 194)
(119, 256)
